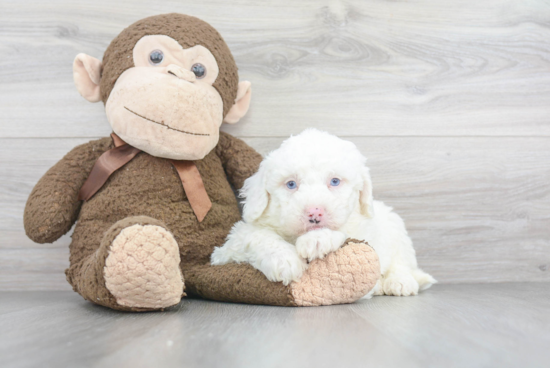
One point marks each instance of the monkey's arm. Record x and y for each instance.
(239, 159)
(53, 205)
(341, 277)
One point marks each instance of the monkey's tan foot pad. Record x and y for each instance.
(343, 276)
(142, 268)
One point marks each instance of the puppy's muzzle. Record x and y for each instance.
(315, 215)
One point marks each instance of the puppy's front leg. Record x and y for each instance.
(318, 243)
(264, 249)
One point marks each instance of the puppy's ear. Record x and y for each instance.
(365, 198)
(257, 198)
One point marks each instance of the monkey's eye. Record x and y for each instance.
(334, 182)
(156, 57)
(199, 70)
(291, 184)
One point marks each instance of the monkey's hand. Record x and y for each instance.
(53, 205)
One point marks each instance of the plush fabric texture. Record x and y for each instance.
(53, 207)
(143, 268)
(188, 31)
(341, 277)
(88, 279)
(236, 282)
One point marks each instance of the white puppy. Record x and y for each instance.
(306, 199)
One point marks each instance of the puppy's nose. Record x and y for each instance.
(315, 214)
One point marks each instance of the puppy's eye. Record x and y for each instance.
(199, 70)
(156, 57)
(334, 182)
(291, 184)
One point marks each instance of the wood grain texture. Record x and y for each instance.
(358, 67)
(476, 208)
(486, 325)
(450, 100)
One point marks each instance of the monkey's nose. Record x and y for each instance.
(181, 73)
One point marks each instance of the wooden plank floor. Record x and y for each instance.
(483, 325)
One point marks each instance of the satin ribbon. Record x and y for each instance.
(194, 187)
(113, 159)
(109, 162)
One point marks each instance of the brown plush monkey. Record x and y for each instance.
(153, 200)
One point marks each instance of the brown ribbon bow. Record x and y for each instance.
(113, 159)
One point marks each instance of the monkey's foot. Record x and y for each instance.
(142, 268)
(343, 276)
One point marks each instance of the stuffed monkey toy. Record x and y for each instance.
(153, 200)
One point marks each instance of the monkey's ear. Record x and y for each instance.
(242, 103)
(86, 74)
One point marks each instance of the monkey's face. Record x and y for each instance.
(166, 95)
(165, 105)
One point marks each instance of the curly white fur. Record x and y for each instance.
(285, 226)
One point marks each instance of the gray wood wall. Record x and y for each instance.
(450, 100)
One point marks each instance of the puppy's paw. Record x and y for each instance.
(378, 289)
(318, 243)
(220, 256)
(284, 266)
(400, 285)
